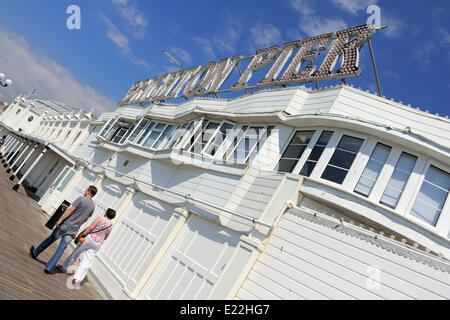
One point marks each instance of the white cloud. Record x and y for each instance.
(207, 47)
(422, 53)
(395, 26)
(136, 22)
(312, 24)
(29, 68)
(180, 54)
(265, 35)
(444, 36)
(122, 42)
(354, 6)
(318, 26)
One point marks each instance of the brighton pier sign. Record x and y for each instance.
(208, 79)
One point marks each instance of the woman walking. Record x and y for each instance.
(95, 234)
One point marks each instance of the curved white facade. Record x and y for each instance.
(290, 193)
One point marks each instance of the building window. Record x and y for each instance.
(373, 169)
(249, 141)
(119, 135)
(432, 196)
(107, 127)
(150, 139)
(342, 159)
(398, 181)
(219, 138)
(316, 153)
(142, 124)
(145, 132)
(164, 137)
(239, 133)
(264, 136)
(180, 133)
(294, 151)
(202, 139)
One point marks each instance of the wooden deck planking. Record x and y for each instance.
(21, 277)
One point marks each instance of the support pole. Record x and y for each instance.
(374, 68)
(16, 187)
(15, 151)
(10, 151)
(23, 163)
(19, 156)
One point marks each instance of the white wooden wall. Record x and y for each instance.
(308, 260)
(126, 251)
(193, 263)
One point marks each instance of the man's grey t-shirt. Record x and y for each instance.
(84, 208)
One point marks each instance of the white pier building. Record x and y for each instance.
(289, 193)
(347, 197)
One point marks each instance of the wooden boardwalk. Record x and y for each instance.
(21, 277)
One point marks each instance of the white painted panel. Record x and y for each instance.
(126, 251)
(87, 179)
(312, 261)
(196, 258)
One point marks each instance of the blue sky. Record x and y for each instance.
(121, 41)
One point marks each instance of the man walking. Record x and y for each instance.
(67, 227)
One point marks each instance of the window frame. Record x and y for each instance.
(249, 126)
(219, 149)
(443, 224)
(200, 137)
(147, 136)
(135, 128)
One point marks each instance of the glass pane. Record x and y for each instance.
(61, 176)
(398, 180)
(342, 159)
(66, 180)
(147, 129)
(438, 177)
(151, 139)
(286, 165)
(334, 174)
(302, 137)
(138, 130)
(373, 169)
(295, 149)
(308, 168)
(164, 136)
(220, 137)
(364, 186)
(235, 141)
(350, 144)
(432, 196)
(119, 135)
(425, 212)
(263, 137)
(316, 153)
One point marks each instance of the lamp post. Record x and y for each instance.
(3, 82)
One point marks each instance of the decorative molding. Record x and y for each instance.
(380, 240)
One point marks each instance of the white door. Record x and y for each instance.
(87, 179)
(109, 195)
(126, 252)
(57, 187)
(193, 263)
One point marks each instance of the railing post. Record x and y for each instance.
(23, 163)
(16, 187)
